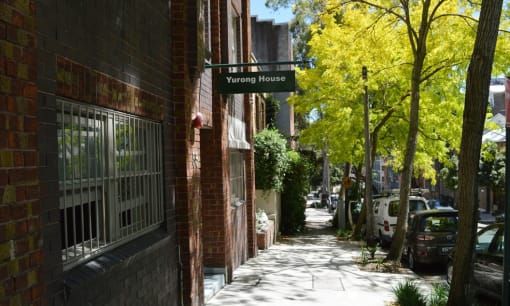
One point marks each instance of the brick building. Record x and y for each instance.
(110, 195)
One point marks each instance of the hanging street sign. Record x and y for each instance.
(249, 82)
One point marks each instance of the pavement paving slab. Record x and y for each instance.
(313, 268)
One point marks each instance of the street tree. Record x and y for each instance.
(356, 34)
(450, 172)
(491, 173)
(477, 94)
(423, 64)
(492, 167)
(421, 22)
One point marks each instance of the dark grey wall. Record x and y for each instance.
(129, 41)
(137, 273)
(126, 39)
(272, 43)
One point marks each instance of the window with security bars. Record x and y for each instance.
(237, 56)
(237, 178)
(206, 6)
(110, 179)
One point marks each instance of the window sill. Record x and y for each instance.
(87, 272)
(238, 203)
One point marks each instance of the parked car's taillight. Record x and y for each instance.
(425, 237)
(386, 226)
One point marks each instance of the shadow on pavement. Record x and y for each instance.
(312, 268)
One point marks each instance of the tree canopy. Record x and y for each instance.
(417, 54)
(348, 37)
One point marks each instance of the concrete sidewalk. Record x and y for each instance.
(311, 269)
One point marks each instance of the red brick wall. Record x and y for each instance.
(20, 230)
(220, 223)
(84, 84)
(188, 58)
(115, 57)
(204, 215)
(215, 189)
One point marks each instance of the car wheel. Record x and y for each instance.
(449, 272)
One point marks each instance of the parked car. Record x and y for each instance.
(430, 237)
(499, 216)
(386, 212)
(488, 265)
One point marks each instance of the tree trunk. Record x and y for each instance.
(420, 52)
(477, 93)
(341, 199)
(368, 168)
(397, 243)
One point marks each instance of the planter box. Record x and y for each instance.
(270, 202)
(265, 238)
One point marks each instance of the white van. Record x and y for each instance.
(386, 212)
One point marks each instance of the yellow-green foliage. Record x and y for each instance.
(351, 35)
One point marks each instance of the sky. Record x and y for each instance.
(258, 8)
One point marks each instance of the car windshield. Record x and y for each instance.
(439, 224)
(485, 241)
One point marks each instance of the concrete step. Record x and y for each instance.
(212, 284)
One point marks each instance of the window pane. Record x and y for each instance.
(393, 208)
(110, 173)
(79, 142)
(237, 178)
(439, 224)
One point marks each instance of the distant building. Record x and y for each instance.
(272, 43)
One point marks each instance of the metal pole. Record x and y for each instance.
(506, 258)
(257, 64)
(326, 193)
(368, 164)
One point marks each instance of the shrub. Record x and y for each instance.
(439, 294)
(294, 194)
(272, 108)
(408, 294)
(270, 160)
(343, 233)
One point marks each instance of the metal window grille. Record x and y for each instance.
(236, 40)
(237, 178)
(110, 179)
(207, 26)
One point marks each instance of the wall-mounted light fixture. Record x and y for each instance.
(198, 121)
